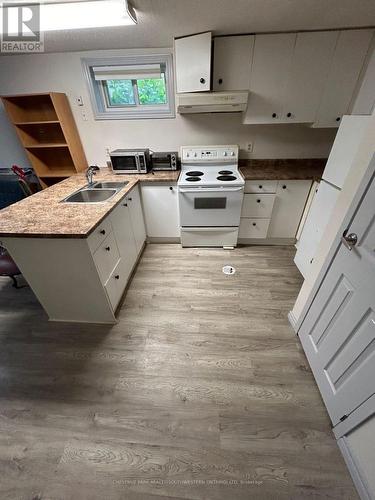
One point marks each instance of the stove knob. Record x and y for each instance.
(225, 153)
(195, 155)
(187, 155)
(232, 153)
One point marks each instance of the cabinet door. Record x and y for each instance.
(193, 62)
(232, 62)
(160, 207)
(346, 65)
(120, 219)
(269, 74)
(311, 60)
(287, 210)
(136, 218)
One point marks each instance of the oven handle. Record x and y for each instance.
(210, 190)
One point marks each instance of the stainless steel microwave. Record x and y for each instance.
(130, 161)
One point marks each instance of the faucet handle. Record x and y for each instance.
(94, 168)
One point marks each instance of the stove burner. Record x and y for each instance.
(225, 172)
(226, 178)
(193, 179)
(194, 173)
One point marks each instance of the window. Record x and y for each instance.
(131, 87)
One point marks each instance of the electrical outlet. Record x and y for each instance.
(249, 147)
(79, 101)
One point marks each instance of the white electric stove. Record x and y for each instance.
(210, 193)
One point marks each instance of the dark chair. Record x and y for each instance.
(8, 267)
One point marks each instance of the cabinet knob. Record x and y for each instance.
(254, 223)
(274, 115)
(108, 248)
(258, 201)
(130, 199)
(289, 115)
(260, 186)
(220, 81)
(284, 186)
(102, 231)
(202, 80)
(171, 188)
(117, 277)
(124, 204)
(338, 118)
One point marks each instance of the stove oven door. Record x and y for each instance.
(210, 207)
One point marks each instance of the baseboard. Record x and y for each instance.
(163, 240)
(358, 481)
(292, 320)
(266, 241)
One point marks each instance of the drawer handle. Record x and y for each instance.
(260, 187)
(274, 115)
(129, 199)
(289, 115)
(108, 248)
(171, 188)
(202, 81)
(124, 204)
(284, 186)
(102, 231)
(254, 223)
(117, 277)
(258, 201)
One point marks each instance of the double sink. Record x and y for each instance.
(96, 192)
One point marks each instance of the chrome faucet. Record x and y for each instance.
(90, 172)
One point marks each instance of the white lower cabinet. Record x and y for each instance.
(290, 200)
(136, 218)
(160, 208)
(272, 210)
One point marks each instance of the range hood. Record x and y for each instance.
(212, 102)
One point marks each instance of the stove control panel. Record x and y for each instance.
(191, 154)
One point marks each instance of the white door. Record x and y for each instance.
(120, 220)
(290, 200)
(311, 61)
(314, 227)
(136, 218)
(193, 62)
(269, 75)
(338, 333)
(232, 62)
(347, 62)
(160, 208)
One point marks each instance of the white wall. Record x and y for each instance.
(11, 152)
(63, 73)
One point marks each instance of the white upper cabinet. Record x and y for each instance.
(193, 62)
(345, 68)
(232, 62)
(270, 70)
(309, 69)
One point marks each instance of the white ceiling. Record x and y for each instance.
(160, 20)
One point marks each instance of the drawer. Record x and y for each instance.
(260, 186)
(106, 257)
(253, 228)
(257, 205)
(116, 284)
(99, 234)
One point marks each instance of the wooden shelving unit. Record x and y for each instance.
(47, 130)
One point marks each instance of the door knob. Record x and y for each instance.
(349, 240)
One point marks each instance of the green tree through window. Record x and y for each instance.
(150, 91)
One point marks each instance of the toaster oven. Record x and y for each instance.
(164, 160)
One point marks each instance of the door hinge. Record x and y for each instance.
(344, 417)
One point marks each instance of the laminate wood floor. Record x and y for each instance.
(201, 391)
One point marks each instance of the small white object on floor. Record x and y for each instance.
(229, 270)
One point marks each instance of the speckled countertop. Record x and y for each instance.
(44, 216)
(300, 169)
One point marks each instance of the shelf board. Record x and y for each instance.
(57, 173)
(47, 145)
(40, 122)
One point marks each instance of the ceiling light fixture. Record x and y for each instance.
(82, 14)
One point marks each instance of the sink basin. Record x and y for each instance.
(90, 196)
(109, 185)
